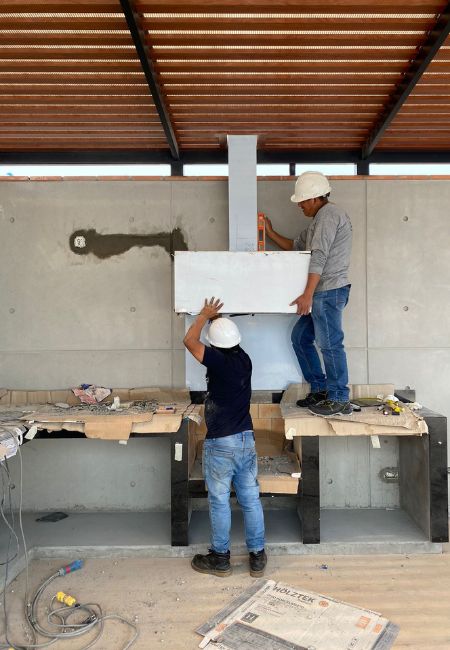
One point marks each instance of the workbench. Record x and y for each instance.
(422, 471)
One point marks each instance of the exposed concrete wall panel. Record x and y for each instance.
(95, 475)
(72, 319)
(53, 299)
(426, 370)
(49, 369)
(200, 210)
(408, 263)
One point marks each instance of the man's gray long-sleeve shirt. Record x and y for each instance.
(329, 238)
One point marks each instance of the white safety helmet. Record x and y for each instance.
(223, 333)
(309, 186)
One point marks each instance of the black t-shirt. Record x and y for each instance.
(227, 404)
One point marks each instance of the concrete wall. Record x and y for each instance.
(68, 318)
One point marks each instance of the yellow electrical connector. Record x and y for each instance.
(394, 406)
(61, 597)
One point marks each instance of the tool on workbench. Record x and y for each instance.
(261, 226)
(391, 406)
(395, 406)
(166, 408)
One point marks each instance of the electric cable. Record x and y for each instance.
(5, 469)
(60, 627)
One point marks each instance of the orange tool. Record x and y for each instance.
(261, 225)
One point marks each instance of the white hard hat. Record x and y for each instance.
(310, 185)
(223, 333)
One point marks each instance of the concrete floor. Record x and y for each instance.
(145, 577)
(169, 601)
(103, 534)
(147, 534)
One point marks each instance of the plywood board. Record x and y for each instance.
(255, 282)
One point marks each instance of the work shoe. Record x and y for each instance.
(312, 399)
(258, 563)
(217, 564)
(328, 408)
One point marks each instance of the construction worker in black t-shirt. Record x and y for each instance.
(229, 454)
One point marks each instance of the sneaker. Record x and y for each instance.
(258, 563)
(329, 407)
(217, 564)
(312, 399)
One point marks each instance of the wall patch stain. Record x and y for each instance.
(83, 242)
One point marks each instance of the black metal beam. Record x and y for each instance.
(362, 168)
(138, 36)
(418, 66)
(208, 156)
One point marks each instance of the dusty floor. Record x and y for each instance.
(169, 600)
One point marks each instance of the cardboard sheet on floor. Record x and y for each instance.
(368, 422)
(274, 616)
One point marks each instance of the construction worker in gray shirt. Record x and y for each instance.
(320, 306)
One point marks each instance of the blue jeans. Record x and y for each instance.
(324, 325)
(233, 459)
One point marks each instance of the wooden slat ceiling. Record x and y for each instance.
(301, 75)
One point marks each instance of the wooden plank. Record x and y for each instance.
(61, 23)
(87, 144)
(294, 132)
(47, 69)
(32, 38)
(301, 100)
(75, 90)
(73, 121)
(13, 107)
(282, 111)
(195, 65)
(264, 122)
(65, 52)
(42, 79)
(104, 100)
(286, 38)
(81, 131)
(283, 51)
(272, 78)
(69, 6)
(292, 5)
(276, 20)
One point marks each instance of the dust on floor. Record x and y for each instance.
(168, 600)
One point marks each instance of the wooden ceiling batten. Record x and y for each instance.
(303, 75)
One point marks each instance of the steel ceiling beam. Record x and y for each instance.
(426, 54)
(208, 156)
(137, 33)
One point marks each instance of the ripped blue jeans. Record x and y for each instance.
(232, 459)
